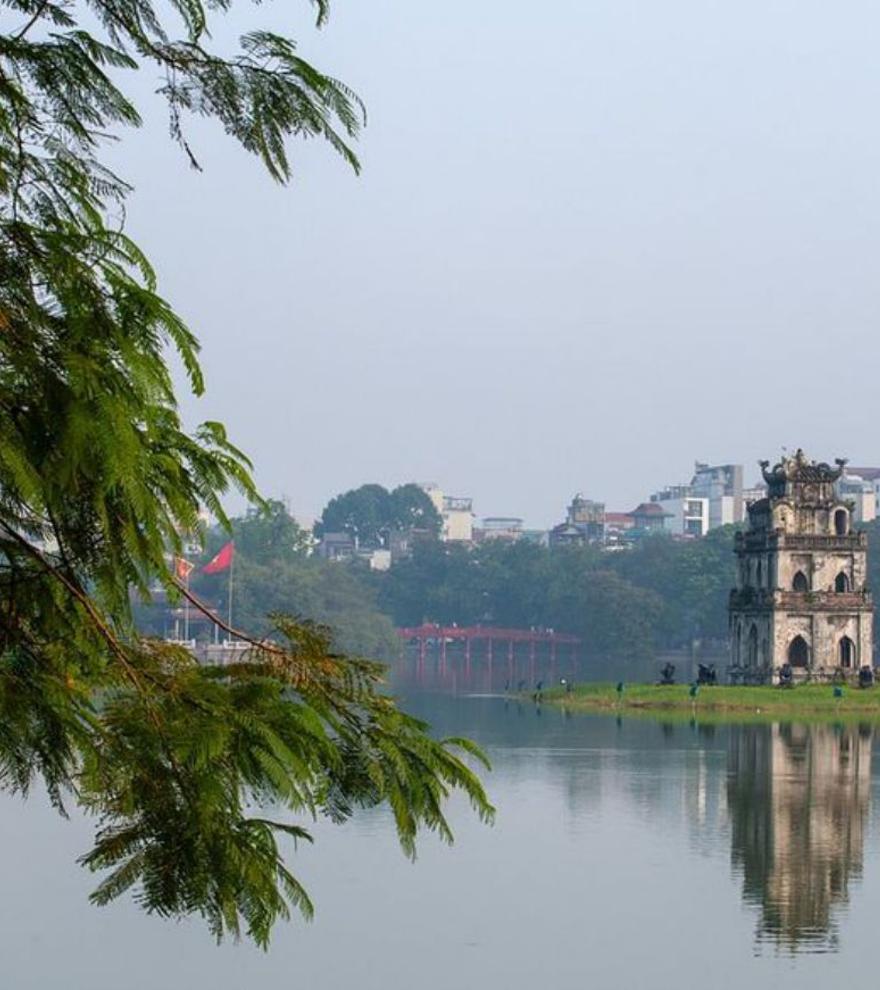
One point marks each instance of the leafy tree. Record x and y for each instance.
(98, 480)
(313, 590)
(662, 592)
(274, 575)
(440, 582)
(613, 617)
(371, 512)
(267, 534)
(410, 507)
(361, 512)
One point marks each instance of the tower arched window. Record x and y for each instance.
(798, 652)
(800, 582)
(841, 582)
(752, 648)
(841, 522)
(846, 651)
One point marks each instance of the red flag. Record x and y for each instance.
(183, 567)
(222, 561)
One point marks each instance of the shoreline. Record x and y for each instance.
(805, 699)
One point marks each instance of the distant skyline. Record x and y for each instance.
(751, 478)
(588, 247)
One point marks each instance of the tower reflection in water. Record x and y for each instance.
(798, 802)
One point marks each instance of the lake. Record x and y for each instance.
(626, 853)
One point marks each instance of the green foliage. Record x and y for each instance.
(873, 577)
(268, 534)
(662, 592)
(273, 575)
(410, 507)
(370, 513)
(763, 703)
(318, 591)
(99, 480)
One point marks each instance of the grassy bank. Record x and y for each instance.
(804, 699)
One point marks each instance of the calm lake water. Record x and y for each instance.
(627, 853)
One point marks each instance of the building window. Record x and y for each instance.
(752, 651)
(841, 582)
(800, 582)
(841, 522)
(847, 652)
(798, 652)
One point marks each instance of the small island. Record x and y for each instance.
(801, 614)
(804, 699)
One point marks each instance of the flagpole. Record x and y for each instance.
(186, 612)
(229, 604)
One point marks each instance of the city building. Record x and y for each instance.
(584, 523)
(618, 526)
(509, 528)
(684, 515)
(647, 518)
(567, 535)
(861, 492)
(753, 494)
(337, 546)
(458, 519)
(801, 609)
(377, 559)
(872, 475)
(456, 513)
(722, 486)
(588, 517)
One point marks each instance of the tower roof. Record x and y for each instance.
(798, 470)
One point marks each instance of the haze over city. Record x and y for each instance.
(589, 245)
(520, 672)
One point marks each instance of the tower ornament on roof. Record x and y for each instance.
(800, 468)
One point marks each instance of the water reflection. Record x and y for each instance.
(798, 803)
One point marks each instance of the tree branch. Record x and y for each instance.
(103, 629)
(209, 613)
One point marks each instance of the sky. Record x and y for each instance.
(592, 242)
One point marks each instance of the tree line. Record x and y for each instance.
(660, 594)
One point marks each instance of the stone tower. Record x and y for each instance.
(800, 596)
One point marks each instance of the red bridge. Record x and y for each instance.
(430, 634)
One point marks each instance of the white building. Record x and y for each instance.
(753, 494)
(722, 485)
(509, 528)
(686, 515)
(456, 513)
(861, 492)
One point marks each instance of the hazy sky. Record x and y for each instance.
(593, 241)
